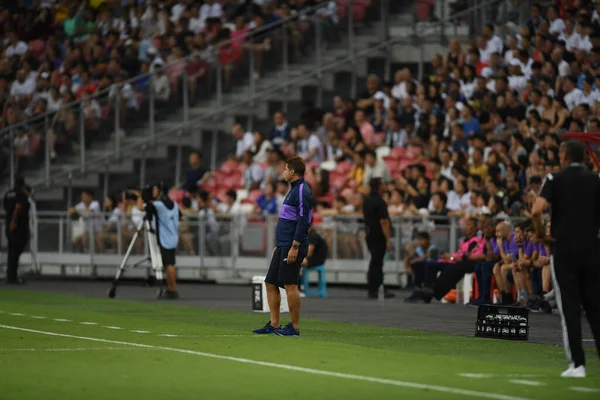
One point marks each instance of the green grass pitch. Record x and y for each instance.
(70, 347)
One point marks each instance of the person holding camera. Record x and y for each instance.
(164, 214)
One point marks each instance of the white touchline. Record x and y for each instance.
(136, 331)
(383, 381)
(112, 327)
(62, 320)
(37, 317)
(585, 389)
(17, 314)
(70, 349)
(528, 383)
(168, 335)
(88, 323)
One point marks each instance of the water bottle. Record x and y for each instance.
(381, 293)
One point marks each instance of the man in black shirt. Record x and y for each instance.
(378, 229)
(574, 195)
(16, 207)
(317, 249)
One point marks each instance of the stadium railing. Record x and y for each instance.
(224, 249)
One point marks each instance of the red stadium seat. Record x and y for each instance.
(391, 163)
(229, 167)
(336, 179)
(253, 196)
(398, 152)
(232, 180)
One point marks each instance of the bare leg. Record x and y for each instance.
(274, 298)
(499, 280)
(546, 279)
(171, 278)
(293, 298)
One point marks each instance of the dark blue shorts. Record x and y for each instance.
(280, 272)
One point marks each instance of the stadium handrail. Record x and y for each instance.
(134, 145)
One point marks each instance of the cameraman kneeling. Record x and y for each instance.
(165, 222)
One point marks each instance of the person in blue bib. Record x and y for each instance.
(165, 223)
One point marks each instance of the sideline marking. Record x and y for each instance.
(62, 320)
(168, 335)
(67, 349)
(584, 389)
(383, 381)
(37, 317)
(525, 382)
(485, 376)
(88, 323)
(136, 331)
(112, 327)
(16, 314)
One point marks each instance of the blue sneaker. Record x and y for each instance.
(267, 329)
(287, 330)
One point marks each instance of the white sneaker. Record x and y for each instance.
(573, 372)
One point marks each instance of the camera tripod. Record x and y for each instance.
(155, 259)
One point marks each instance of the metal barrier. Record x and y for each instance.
(221, 247)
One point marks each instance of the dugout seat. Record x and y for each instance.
(321, 284)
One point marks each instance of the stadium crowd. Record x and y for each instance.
(54, 52)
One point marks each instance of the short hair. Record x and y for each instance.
(375, 183)
(442, 197)
(370, 152)
(203, 194)
(423, 235)
(476, 178)
(574, 149)
(88, 191)
(231, 193)
(297, 165)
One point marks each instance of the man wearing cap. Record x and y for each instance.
(16, 208)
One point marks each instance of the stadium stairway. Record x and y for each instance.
(159, 164)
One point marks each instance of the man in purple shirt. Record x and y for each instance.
(484, 269)
(509, 252)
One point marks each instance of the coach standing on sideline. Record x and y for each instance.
(295, 218)
(574, 195)
(378, 229)
(16, 207)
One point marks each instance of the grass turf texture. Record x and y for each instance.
(36, 366)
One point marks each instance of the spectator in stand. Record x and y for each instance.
(283, 187)
(477, 166)
(253, 173)
(375, 168)
(267, 202)
(396, 136)
(357, 173)
(260, 148)
(367, 131)
(196, 174)
(280, 132)
(245, 140)
(87, 210)
(309, 146)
